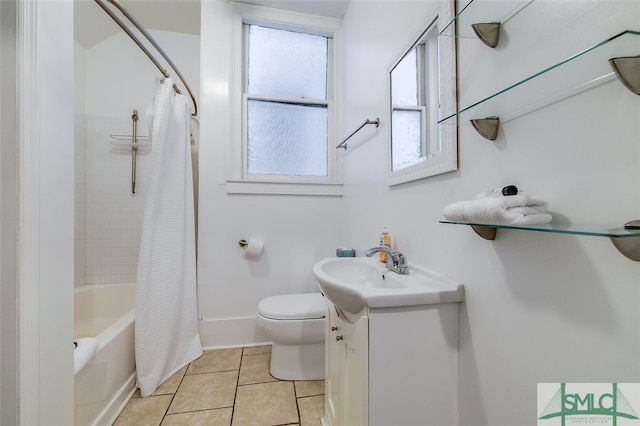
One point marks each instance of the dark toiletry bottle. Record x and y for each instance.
(509, 190)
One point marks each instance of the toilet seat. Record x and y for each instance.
(293, 306)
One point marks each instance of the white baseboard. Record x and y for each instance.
(219, 333)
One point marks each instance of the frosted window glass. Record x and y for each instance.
(404, 80)
(286, 63)
(407, 138)
(286, 139)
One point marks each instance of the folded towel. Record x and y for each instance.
(488, 208)
(83, 351)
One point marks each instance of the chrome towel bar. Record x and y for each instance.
(343, 144)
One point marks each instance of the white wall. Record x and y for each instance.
(297, 230)
(539, 307)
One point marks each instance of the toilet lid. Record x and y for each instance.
(293, 306)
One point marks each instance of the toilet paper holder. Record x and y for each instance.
(252, 248)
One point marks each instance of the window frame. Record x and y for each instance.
(240, 182)
(424, 134)
(427, 95)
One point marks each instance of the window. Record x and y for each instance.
(284, 122)
(286, 103)
(414, 97)
(409, 110)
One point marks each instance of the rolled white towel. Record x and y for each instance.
(521, 209)
(82, 353)
(522, 199)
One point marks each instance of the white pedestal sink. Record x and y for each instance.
(391, 344)
(353, 283)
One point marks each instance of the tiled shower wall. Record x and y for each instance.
(112, 78)
(112, 213)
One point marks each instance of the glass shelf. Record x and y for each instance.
(580, 72)
(558, 228)
(627, 241)
(474, 12)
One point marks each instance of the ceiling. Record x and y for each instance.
(333, 8)
(92, 25)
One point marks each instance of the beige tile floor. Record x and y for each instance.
(228, 387)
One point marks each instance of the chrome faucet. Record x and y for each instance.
(396, 261)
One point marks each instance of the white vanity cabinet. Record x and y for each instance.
(347, 360)
(392, 366)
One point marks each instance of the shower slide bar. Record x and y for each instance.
(134, 150)
(343, 144)
(133, 142)
(142, 47)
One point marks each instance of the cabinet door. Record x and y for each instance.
(332, 368)
(354, 361)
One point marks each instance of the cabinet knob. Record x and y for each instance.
(334, 328)
(338, 338)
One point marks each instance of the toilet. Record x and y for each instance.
(295, 323)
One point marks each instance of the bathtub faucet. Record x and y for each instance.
(396, 261)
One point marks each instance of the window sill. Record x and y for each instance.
(284, 188)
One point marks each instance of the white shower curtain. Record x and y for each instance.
(166, 324)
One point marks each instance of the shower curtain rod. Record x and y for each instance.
(142, 47)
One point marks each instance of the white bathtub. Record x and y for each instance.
(106, 312)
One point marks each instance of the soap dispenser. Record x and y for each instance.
(385, 240)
